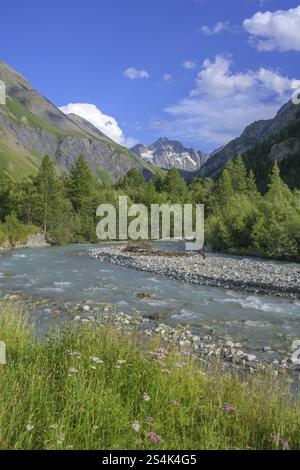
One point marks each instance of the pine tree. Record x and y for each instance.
(175, 186)
(251, 184)
(238, 173)
(46, 184)
(224, 191)
(82, 185)
(6, 186)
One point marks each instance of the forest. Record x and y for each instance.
(239, 218)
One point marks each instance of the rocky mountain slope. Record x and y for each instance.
(165, 153)
(32, 127)
(256, 134)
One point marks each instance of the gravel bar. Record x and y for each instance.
(238, 274)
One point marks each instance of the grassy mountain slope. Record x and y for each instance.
(32, 127)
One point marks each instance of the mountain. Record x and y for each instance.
(254, 135)
(32, 127)
(165, 153)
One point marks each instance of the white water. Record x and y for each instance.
(67, 274)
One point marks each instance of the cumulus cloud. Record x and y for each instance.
(279, 30)
(189, 64)
(105, 123)
(223, 103)
(216, 79)
(134, 74)
(218, 28)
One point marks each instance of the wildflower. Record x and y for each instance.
(178, 365)
(53, 426)
(166, 371)
(75, 354)
(162, 364)
(146, 397)
(121, 362)
(161, 351)
(229, 408)
(29, 427)
(154, 438)
(93, 367)
(284, 444)
(96, 360)
(149, 419)
(175, 402)
(61, 439)
(136, 426)
(72, 371)
(185, 354)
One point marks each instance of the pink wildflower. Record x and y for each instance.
(284, 444)
(154, 438)
(229, 408)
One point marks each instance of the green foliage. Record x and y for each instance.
(243, 221)
(239, 219)
(14, 231)
(57, 394)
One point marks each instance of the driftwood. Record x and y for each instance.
(145, 249)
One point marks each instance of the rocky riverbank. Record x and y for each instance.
(239, 274)
(35, 240)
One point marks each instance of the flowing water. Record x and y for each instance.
(66, 275)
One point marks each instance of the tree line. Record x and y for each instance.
(239, 218)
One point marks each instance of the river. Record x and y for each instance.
(66, 275)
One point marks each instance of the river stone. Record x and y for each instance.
(250, 357)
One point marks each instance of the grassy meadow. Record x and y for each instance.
(98, 388)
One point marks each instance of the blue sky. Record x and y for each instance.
(194, 70)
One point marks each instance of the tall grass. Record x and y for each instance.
(56, 394)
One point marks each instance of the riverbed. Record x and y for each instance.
(61, 278)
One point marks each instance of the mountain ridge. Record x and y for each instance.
(254, 134)
(32, 127)
(167, 154)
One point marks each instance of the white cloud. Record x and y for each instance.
(276, 82)
(189, 64)
(218, 28)
(106, 124)
(216, 79)
(167, 77)
(279, 30)
(134, 74)
(224, 103)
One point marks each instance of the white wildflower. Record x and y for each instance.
(136, 426)
(96, 360)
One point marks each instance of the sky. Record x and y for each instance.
(198, 71)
